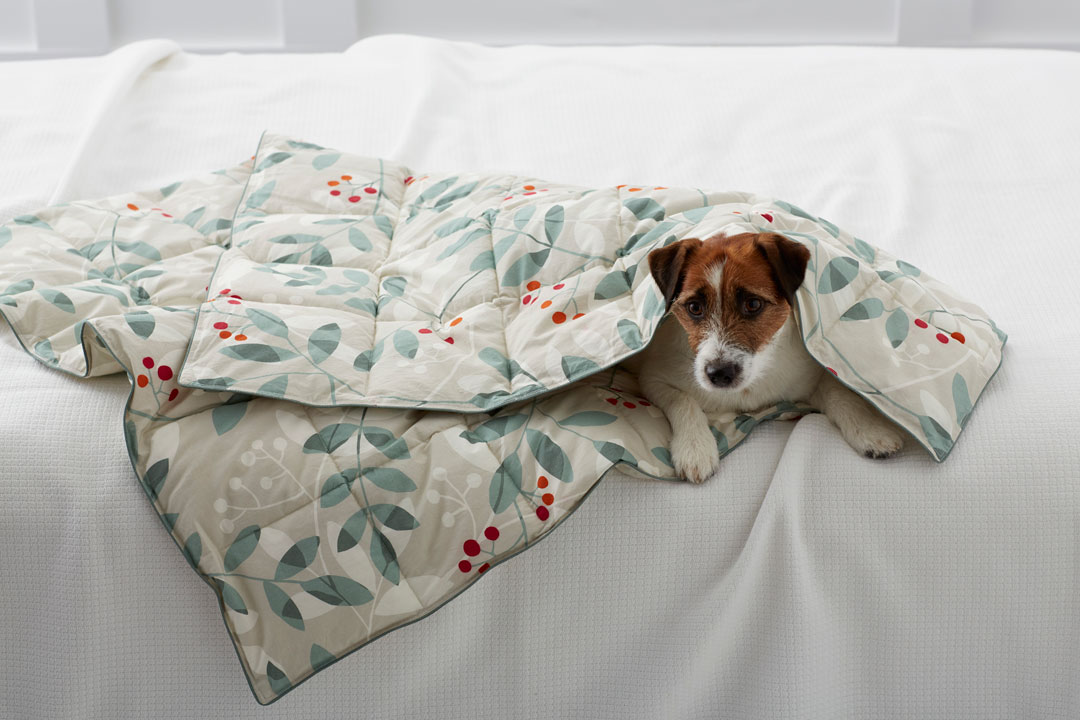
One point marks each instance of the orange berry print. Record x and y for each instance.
(224, 334)
(346, 178)
(455, 321)
(142, 381)
(132, 206)
(578, 315)
(542, 482)
(532, 286)
(332, 183)
(545, 304)
(529, 187)
(548, 498)
(958, 337)
(558, 318)
(240, 338)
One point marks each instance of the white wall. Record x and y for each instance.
(50, 28)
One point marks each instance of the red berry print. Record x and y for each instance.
(560, 286)
(767, 216)
(424, 331)
(142, 381)
(164, 372)
(173, 394)
(958, 337)
(629, 405)
(234, 302)
(148, 362)
(484, 568)
(472, 548)
(578, 316)
(525, 300)
(920, 323)
(646, 403)
(449, 340)
(335, 193)
(613, 401)
(543, 513)
(464, 566)
(408, 180)
(217, 326)
(491, 533)
(942, 338)
(832, 371)
(370, 190)
(354, 198)
(226, 291)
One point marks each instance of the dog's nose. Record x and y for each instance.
(722, 373)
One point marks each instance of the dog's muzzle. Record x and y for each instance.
(723, 373)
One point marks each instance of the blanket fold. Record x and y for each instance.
(356, 388)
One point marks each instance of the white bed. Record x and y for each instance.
(804, 582)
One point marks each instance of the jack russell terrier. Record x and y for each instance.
(736, 347)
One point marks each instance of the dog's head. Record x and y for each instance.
(732, 296)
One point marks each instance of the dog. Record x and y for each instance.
(736, 347)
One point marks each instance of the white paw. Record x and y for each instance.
(695, 455)
(875, 438)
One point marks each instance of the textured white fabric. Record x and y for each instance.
(804, 582)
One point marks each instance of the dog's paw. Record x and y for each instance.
(876, 438)
(695, 455)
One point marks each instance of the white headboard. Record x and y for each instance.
(51, 28)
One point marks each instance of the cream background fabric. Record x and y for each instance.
(805, 582)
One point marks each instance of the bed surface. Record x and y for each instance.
(803, 582)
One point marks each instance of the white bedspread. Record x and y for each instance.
(804, 582)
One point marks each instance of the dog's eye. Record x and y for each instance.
(695, 308)
(752, 306)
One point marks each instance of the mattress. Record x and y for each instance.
(802, 582)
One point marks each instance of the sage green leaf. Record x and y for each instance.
(89, 252)
(392, 447)
(864, 250)
(614, 452)
(257, 198)
(257, 352)
(589, 418)
(336, 590)
(394, 517)
(19, 287)
(384, 557)
(194, 216)
(630, 334)
(937, 436)
(367, 359)
(525, 267)
(654, 305)
(168, 190)
(242, 547)
(336, 488)
(523, 215)
(553, 223)
(864, 310)
(745, 423)
(645, 208)
(268, 322)
(58, 299)
(352, 531)
(272, 159)
(896, 327)
(193, 549)
(295, 239)
(832, 229)
(574, 367)
(838, 274)
(321, 162)
(613, 284)
(961, 399)
(225, 417)
(663, 455)
(494, 428)
(155, 476)
(131, 437)
(283, 607)
(449, 228)
(141, 323)
(435, 190)
(320, 255)
(323, 342)
(274, 387)
(908, 268)
(455, 194)
(169, 519)
(497, 360)
(888, 275)
(383, 224)
(279, 682)
(330, 438)
(105, 290)
(390, 479)
(31, 220)
(395, 285)
(215, 225)
(406, 343)
(550, 456)
(43, 349)
(463, 241)
(359, 240)
(298, 557)
(505, 483)
(366, 305)
(230, 597)
(320, 656)
(483, 261)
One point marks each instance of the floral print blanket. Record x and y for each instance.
(356, 388)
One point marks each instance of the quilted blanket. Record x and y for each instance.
(356, 388)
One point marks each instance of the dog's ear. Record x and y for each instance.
(668, 267)
(788, 260)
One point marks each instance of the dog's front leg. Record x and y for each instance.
(864, 428)
(693, 447)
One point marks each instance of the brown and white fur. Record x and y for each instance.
(736, 347)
